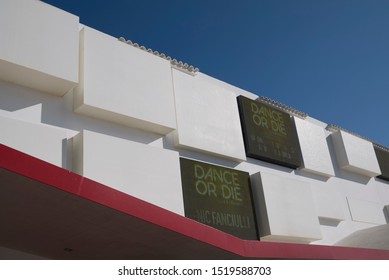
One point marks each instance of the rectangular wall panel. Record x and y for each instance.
(286, 209)
(39, 46)
(366, 211)
(44, 142)
(355, 154)
(219, 197)
(269, 134)
(207, 116)
(314, 148)
(148, 173)
(123, 84)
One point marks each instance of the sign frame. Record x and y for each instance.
(219, 197)
(269, 134)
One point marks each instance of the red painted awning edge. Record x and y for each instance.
(62, 179)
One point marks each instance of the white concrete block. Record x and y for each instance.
(123, 84)
(314, 148)
(40, 141)
(285, 209)
(207, 116)
(355, 154)
(39, 46)
(148, 173)
(366, 211)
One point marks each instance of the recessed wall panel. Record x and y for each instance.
(366, 211)
(218, 197)
(269, 134)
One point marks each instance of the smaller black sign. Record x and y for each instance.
(269, 134)
(219, 197)
(383, 161)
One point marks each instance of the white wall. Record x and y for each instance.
(123, 84)
(362, 210)
(39, 46)
(207, 116)
(149, 173)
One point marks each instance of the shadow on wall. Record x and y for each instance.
(14, 98)
(386, 213)
(329, 222)
(309, 175)
(34, 106)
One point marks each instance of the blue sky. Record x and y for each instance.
(327, 58)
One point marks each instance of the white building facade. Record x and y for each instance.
(125, 117)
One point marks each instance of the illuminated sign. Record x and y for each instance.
(269, 134)
(218, 197)
(383, 161)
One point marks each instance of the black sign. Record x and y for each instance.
(218, 197)
(269, 134)
(383, 161)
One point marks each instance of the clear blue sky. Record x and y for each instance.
(327, 58)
